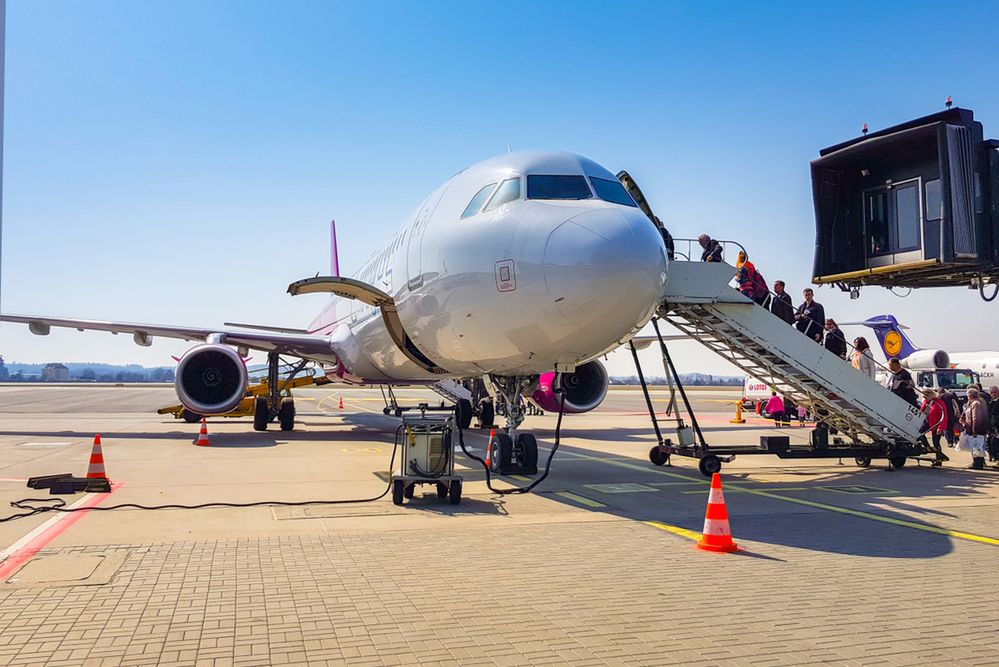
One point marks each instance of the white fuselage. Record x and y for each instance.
(510, 289)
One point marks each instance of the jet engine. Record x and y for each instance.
(211, 379)
(585, 389)
(927, 359)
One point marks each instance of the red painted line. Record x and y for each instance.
(28, 551)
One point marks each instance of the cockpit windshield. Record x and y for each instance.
(557, 187)
(612, 191)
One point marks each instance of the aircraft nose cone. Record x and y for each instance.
(605, 272)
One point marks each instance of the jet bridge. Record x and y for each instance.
(872, 422)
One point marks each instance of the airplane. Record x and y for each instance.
(894, 343)
(521, 270)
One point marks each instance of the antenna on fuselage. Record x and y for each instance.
(334, 255)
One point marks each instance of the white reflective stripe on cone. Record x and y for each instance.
(716, 497)
(716, 527)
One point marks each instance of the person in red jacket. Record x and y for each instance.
(935, 422)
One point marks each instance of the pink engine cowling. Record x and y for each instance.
(584, 389)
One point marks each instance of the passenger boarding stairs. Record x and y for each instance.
(701, 303)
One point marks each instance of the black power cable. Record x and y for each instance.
(548, 464)
(59, 505)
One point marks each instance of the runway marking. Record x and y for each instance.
(781, 488)
(25, 548)
(676, 530)
(627, 487)
(44, 444)
(734, 486)
(521, 478)
(579, 499)
(12, 479)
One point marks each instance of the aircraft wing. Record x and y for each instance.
(306, 346)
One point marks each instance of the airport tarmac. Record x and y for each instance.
(839, 564)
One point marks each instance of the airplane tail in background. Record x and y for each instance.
(894, 342)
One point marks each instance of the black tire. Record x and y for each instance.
(527, 450)
(709, 465)
(463, 413)
(863, 461)
(409, 491)
(261, 413)
(398, 489)
(454, 492)
(286, 414)
(190, 417)
(501, 453)
(442, 490)
(386, 411)
(658, 456)
(487, 415)
(896, 461)
(398, 412)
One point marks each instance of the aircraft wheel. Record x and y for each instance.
(454, 492)
(261, 414)
(442, 490)
(501, 453)
(709, 465)
(658, 456)
(863, 461)
(190, 417)
(463, 413)
(410, 491)
(897, 461)
(398, 491)
(286, 414)
(487, 415)
(527, 451)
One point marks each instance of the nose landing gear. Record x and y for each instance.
(511, 452)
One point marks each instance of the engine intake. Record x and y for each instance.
(211, 379)
(927, 359)
(585, 389)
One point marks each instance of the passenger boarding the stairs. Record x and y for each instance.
(712, 249)
(900, 382)
(835, 340)
(992, 442)
(935, 422)
(953, 408)
(775, 408)
(751, 282)
(976, 427)
(810, 316)
(861, 357)
(781, 305)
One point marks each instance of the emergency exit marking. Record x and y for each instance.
(506, 279)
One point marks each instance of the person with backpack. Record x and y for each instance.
(953, 409)
(935, 422)
(751, 282)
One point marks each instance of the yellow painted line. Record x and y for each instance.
(579, 499)
(521, 478)
(809, 503)
(676, 530)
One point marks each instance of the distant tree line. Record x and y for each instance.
(88, 372)
(689, 379)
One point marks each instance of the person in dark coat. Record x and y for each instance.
(993, 439)
(810, 318)
(835, 340)
(781, 305)
(900, 382)
(667, 239)
(712, 249)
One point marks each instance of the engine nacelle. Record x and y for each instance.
(584, 389)
(927, 359)
(211, 379)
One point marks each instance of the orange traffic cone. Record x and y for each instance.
(489, 447)
(202, 440)
(717, 536)
(341, 402)
(96, 469)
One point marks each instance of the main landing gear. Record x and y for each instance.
(511, 452)
(275, 406)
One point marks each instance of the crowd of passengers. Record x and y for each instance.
(974, 427)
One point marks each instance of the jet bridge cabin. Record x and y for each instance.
(914, 205)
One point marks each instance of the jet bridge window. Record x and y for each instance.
(476, 203)
(508, 191)
(558, 187)
(612, 191)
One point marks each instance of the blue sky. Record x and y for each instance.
(178, 162)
